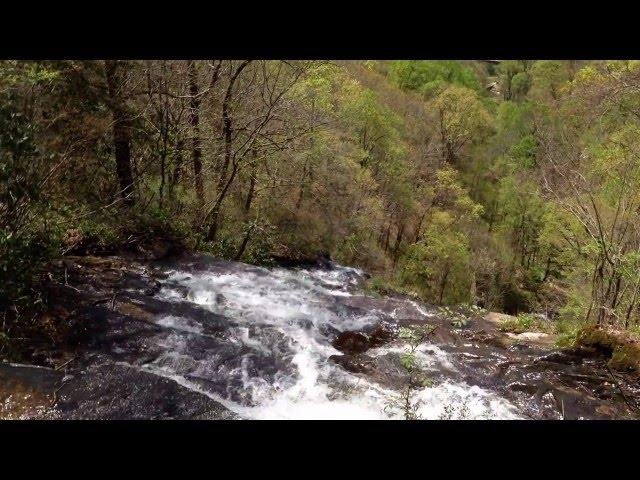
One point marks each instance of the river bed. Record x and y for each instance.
(206, 338)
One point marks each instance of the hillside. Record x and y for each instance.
(511, 186)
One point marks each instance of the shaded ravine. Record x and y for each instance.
(204, 338)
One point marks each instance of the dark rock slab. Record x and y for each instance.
(110, 392)
(352, 342)
(27, 391)
(358, 363)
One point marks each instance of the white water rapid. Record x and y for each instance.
(270, 358)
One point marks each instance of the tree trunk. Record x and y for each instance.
(194, 120)
(177, 167)
(417, 234)
(547, 269)
(227, 130)
(214, 214)
(227, 124)
(244, 244)
(163, 155)
(301, 191)
(252, 186)
(443, 285)
(121, 130)
(396, 246)
(386, 237)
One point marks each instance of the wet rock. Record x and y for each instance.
(220, 299)
(604, 391)
(352, 342)
(324, 260)
(388, 371)
(304, 323)
(156, 250)
(152, 290)
(523, 387)
(120, 392)
(134, 311)
(536, 338)
(622, 348)
(562, 357)
(498, 318)
(520, 347)
(489, 338)
(357, 342)
(228, 356)
(571, 405)
(26, 391)
(383, 333)
(358, 363)
(328, 330)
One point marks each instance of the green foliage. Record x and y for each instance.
(520, 84)
(20, 256)
(26, 240)
(438, 266)
(549, 77)
(527, 322)
(428, 76)
(260, 251)
(383, 286)
(457, 318)
(567, 333)
(405, 403)
(462, 118)
(524, 201)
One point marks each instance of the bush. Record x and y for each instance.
(21, 301)
(438, 267)
(384, 286)
(567, 332)
(19, 258)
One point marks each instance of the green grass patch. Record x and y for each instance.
(527, 322)
(384, 286)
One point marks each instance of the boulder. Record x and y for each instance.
(352, 342)
(358, 363)
(498, 318)
(383, 333)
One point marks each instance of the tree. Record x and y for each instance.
(115, 74)
(194, 121)
(596, 181)
(427, 76)
(462, 119)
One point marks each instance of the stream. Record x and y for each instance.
(206, 338)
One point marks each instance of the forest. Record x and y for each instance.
(511, 186)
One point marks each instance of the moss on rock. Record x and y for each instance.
(622, 348)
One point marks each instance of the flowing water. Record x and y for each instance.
(198, 337)
(278, 330)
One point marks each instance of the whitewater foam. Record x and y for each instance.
(281, 323)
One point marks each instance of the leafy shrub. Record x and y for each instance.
(384, 286)
(457, 318)
(262, 242)
(416, 377)
(567, 332)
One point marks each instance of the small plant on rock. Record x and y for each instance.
(458, 320)
(416, 378)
